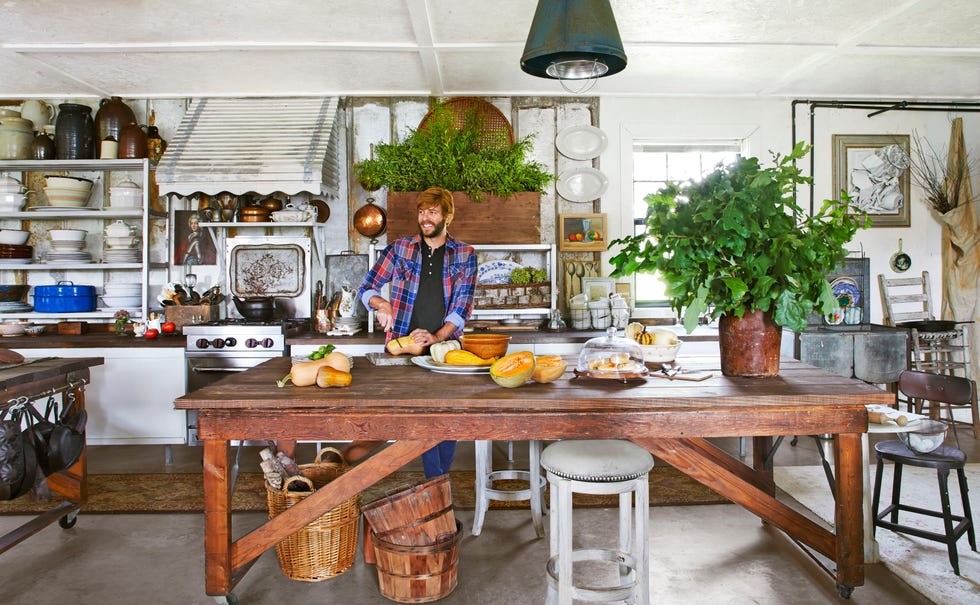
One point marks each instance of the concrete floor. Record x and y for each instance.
(713, 554)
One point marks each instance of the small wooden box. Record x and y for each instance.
(72, 328)
(188, 315)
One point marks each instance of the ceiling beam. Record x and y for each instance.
(418, 11)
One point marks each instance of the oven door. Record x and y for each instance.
(207, 369)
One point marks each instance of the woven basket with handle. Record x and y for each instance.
(325, 548)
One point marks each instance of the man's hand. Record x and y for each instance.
(384, 313)
(423, 337)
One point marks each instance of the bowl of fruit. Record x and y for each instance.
(659, 345)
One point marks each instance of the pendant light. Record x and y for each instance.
(573, 41)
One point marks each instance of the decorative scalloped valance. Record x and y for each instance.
(259, 145)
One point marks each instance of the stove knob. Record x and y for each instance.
(251, 343)
(218, 343)
(230, 342)
(267, 343)
(202, 343)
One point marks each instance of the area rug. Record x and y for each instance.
(922, 564)
(183, 493)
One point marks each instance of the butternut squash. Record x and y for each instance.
(303, 373)
(466, 358)
(328, 376)
(403, 345)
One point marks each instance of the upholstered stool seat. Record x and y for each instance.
(943, 460)
(485, 476)
(602, 467)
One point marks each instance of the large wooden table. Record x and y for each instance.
(416, 409)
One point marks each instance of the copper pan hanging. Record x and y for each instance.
(370, 220)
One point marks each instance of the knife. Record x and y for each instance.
(24, 363)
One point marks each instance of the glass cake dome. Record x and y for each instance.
(612, 357)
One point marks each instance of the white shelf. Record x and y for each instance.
(101, 215)
(243, 224)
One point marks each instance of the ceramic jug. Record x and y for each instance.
(112, 117)
(38, 112)
(132, 142)
(74, 137)
(42, 147)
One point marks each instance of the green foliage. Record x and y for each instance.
(458, 158)
(737, 240)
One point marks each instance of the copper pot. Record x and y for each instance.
(254, 214)
(271, 204)
(370, 220)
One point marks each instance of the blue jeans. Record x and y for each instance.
(437, 461)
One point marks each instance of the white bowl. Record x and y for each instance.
(660, 353)
(123, 289)
(13, 328)
(125, 198)
(14, 237)
(66, 197)
(67, 235)
(13, 199)
(70, 183)
(928, 437)
(125, 301)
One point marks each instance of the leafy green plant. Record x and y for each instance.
(738, 240)
(456, 157)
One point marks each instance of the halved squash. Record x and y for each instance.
(513, 370)
(548, 368)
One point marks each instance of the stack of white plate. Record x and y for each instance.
(121, 255)
(127, 301)
(56, 256)
(15, 307)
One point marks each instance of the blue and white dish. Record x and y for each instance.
(495, 272)
(847, 289)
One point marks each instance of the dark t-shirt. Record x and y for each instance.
(429, 311)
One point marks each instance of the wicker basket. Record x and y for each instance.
(494, 125)
(325, 548)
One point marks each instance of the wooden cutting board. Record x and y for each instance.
(386, 359)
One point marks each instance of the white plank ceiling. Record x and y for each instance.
(908, 49)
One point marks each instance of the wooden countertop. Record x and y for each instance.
(93, 340)
(37, 374)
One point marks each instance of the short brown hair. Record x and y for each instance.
(436, 196)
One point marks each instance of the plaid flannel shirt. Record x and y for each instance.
(401, 265)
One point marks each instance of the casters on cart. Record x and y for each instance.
(68, 521)
(845, 591)
(228, 599)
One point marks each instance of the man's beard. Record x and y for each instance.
(437, 230)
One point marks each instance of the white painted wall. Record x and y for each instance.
(767, 126)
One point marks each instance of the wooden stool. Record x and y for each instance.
(602, 467)
(485, 492)
(943, 460)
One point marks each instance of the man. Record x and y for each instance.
(433, 278)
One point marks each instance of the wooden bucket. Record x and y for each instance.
(421, 515)
(418, 574)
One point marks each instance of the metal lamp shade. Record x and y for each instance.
(573, 40)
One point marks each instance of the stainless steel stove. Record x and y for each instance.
(218, 349)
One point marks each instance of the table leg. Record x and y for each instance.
(217, 519)
(870, 544)
(849, 513)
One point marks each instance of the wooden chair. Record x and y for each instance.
(909, 299)
(935, 391)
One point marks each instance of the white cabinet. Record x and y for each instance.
(93, 218)
(131, 397)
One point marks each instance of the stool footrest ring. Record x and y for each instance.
(622, 591)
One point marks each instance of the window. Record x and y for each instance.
(653, 166)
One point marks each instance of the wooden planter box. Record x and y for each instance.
(495, 220)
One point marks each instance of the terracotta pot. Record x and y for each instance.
(749, 345)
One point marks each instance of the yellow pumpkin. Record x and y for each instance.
(513, 370)
(548, 368)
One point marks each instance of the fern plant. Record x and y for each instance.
(737, 240)
(456, 157)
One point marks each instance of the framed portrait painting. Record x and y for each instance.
(873, 169)
(192, 244)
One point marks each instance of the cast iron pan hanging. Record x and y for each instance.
(900, 261)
